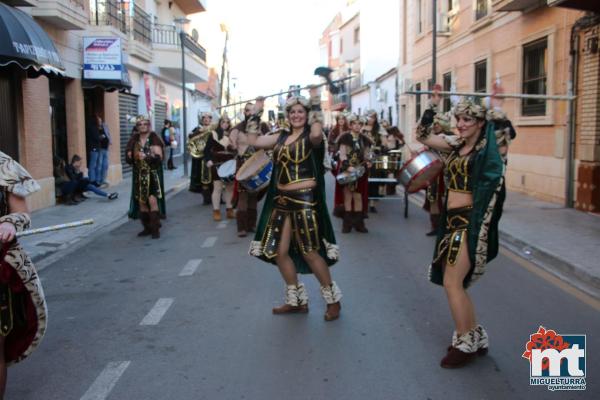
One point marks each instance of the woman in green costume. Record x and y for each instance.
(468, 238)
(294, 231)
(145, 152)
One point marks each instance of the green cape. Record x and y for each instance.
(488, 198)
(134, 206)
(328, 250)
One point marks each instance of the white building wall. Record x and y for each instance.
(385, 98)
(379, 38)
(361, 102)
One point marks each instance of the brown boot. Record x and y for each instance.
(155, 224)
(145, 219)
(217, 215)
(332, 295)
(296, 300)
(230, 213)
(462, 351)
(347, 221)
(359, 222)
(251, 221)
(242, 219)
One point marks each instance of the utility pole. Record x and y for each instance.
(181, 22)
(434, 44)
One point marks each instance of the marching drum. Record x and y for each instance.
(420, 170)
(255, 173)
(226, 171)
(346, 178)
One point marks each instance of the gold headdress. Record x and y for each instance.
(470, 107)
(444, 120)
(292, 101)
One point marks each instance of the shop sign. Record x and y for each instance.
(102, 58)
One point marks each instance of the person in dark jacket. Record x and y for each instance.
(83, 184)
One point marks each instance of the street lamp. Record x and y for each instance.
(181, 22)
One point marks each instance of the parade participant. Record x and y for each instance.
(294, 230)
(341, 126)
(246, 213)
(354, 152)
(468, 239)
(378, 137)
(145, 151)
(23, 310)
(200, 175)
(218, 149)
(434, 194)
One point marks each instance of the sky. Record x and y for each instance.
(272, 43)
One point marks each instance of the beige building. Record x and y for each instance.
(48, 116)
(528, 45)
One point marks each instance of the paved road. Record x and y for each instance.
(133, 318)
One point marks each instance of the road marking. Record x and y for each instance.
(222, 225)
(547, 276)
(106, 381)
(157, 312)
(190, 267)
(209, 242)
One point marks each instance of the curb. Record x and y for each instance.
(543, 259)
(43, 260)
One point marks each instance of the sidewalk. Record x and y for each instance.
(106, 214)
(562, 241)
(566, 242)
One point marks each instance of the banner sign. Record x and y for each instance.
(102, 58)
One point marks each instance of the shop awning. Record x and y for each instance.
(110, 85)
(25, 44)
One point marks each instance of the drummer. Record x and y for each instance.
(434, 194)
(218, 150)
(295, 231)
(379, 137)
(246, 201)
(394, 144)
(474, 173)
(354, 149)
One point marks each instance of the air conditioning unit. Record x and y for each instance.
(443, 23)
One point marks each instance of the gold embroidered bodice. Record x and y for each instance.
(293, 161)
(459, 171)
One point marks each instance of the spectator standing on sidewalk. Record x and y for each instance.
(23, 309)
(168, 136)
(93, 145)
(103, 161)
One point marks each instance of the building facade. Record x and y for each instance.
(53, 113)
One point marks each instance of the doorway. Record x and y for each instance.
(9, 132)
(58, 119)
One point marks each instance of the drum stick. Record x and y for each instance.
(52, 228)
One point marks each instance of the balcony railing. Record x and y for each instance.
(109, 13)
(140, 25)
(167, 34)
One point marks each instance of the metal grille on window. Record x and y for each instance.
(481, 76)
(418, 102)
(534, 77)
(481, 9)
(447, 86)
(127, 108)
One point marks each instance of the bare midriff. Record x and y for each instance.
(459, 199)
